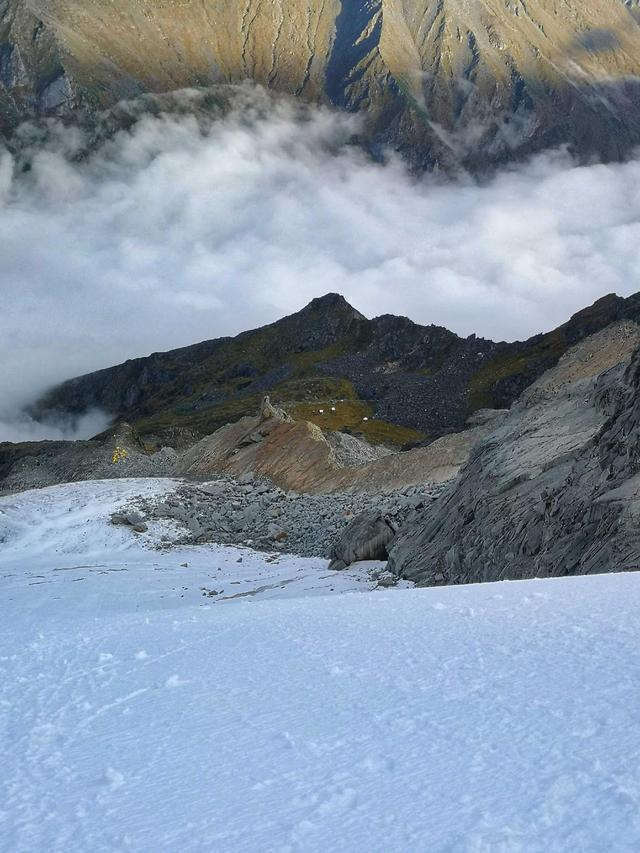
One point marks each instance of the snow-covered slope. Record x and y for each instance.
(59, 552)
(137, 713)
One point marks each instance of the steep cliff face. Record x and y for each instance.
(32, 75)
(554, 489)
(443, 80)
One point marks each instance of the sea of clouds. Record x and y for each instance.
(177, 230)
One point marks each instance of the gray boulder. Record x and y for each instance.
(130, 519)
(367, 537)
(386, 579)
(276, 533)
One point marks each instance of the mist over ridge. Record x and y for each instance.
(182, 228)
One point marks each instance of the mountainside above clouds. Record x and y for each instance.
(446, 82)
(389, 379)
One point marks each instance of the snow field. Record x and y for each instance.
(479, 718)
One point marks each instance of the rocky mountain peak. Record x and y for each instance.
(400, 381)
(333, 304)
(446, 82)
(605, 310)
(322, 323)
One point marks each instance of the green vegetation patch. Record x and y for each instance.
(349, 415)
(533, 360)
(312, 389)
(305, 362)
(301, 397)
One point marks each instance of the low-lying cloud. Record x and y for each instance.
(176, 231)
(18, 426)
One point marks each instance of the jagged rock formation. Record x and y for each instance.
(388, 379)
(445, 81)
(269, 411)
(292, 454)
(299, 455)
(554, 489)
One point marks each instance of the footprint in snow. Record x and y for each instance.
(113, 778)
(175, 681)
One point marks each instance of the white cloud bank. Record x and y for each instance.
(18, 426)
(167, 235)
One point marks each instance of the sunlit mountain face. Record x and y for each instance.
(447, 83)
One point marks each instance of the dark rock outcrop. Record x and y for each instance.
(116, 453)
(367, 537)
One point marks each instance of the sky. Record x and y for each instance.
(177, 231)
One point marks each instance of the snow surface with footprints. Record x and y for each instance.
(297, 709)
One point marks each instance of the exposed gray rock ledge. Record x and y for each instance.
(553, 490)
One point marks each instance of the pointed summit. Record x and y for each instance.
(332, 304)
(423, 379)
(324, 321)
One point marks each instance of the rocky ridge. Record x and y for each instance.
(388, 379)
(36, 465)
(446, 83)
(292, 454)
(300, 455)
(553, 489)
